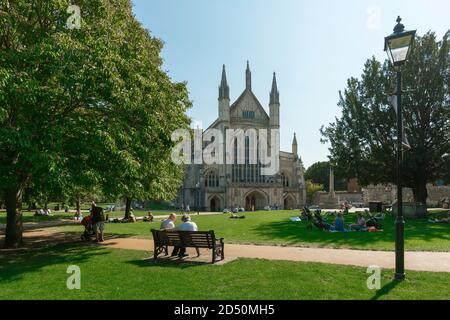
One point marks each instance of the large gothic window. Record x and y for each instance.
(212, 180)
(285, 180)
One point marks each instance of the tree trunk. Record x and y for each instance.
(420, 193)
(127, 207)
(14, 227)
(78, 204)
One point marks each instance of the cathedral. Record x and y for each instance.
(233, 185)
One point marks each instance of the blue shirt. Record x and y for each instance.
(339, 224)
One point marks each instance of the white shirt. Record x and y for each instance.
(167, 225)
(188, 226)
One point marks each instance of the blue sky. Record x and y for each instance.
(313, 45)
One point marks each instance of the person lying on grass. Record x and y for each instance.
(444, 220)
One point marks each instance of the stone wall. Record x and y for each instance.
(388, 194)
(323, 199)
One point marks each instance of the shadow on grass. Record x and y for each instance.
(386, 290)
(167, 263)
(15, 265)
(292, 233)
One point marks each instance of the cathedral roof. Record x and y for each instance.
(248, 100)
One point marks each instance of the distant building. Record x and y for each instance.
(215, 187)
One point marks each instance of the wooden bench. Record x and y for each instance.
(188, 239)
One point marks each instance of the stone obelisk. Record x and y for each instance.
(332, 194)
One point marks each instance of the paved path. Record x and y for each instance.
(417, 261)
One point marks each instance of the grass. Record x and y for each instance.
(275, 228)
(29, 217)
(125, 274)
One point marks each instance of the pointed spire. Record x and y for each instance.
(248, 77)
(224, 89)
(274, 94)
(295, 146)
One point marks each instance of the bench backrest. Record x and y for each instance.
(193, 239)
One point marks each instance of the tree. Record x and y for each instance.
(82, 108)
(446, 169)
(311, 189)
(319, 173)
(363, 139)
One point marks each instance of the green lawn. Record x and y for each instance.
(274, 228)
(29, 217)
(125, 274)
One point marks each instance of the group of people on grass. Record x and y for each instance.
(339, 224)
(186, 225)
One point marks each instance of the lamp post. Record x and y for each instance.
(198, 197)
(397, 46)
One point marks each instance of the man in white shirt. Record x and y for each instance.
(169, 223)
(187, 224)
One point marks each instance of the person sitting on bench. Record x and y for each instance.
(169, 223)
(187, 225)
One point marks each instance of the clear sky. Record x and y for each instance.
(313, 45)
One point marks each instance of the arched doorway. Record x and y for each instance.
(289, 203)
(255, 201)
(214, 204)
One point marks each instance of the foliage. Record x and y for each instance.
(311, 189)
(319, 173)
(84, 108)
(363, 139)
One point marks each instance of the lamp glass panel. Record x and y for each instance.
(399, 48)
(400, 42)
(399, 55)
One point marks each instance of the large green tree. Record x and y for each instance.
(363, 139)
(319, 173)
(83, 107)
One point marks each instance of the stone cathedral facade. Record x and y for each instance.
(216, 187)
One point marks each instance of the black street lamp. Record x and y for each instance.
(198, 197)
(398, 46)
